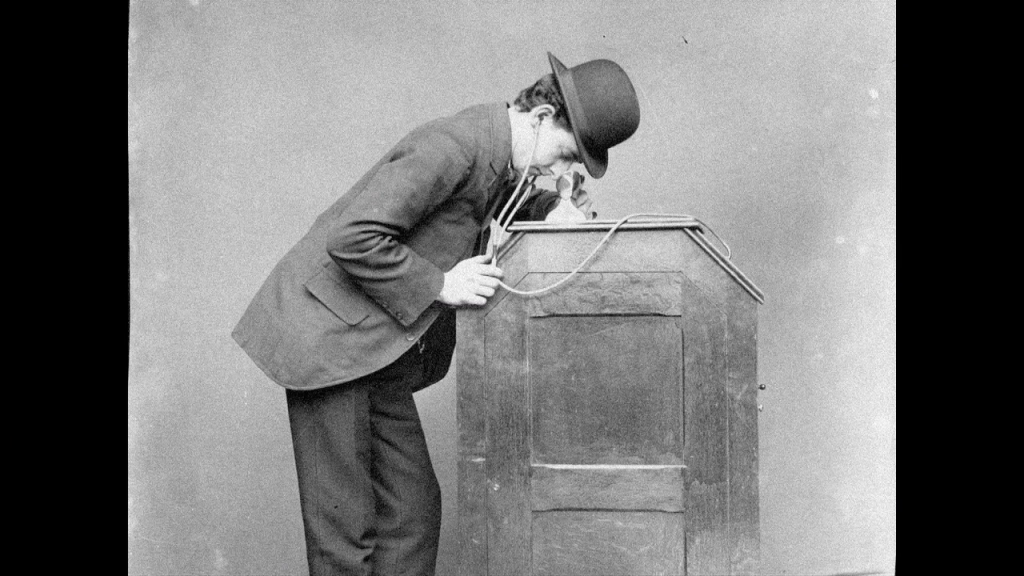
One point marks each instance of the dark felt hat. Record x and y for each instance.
(602, 107)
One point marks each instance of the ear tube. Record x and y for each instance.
(505, 216)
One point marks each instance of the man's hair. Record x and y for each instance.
(544, 91)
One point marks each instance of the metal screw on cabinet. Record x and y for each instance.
(761, 386)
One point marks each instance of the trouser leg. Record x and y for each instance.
(331, 438)
(406, 489)
(370, 499)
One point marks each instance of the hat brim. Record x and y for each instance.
(594, 159)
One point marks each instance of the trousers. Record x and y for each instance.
(371, 503)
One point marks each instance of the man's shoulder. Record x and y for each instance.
(476, 130)
(481, 111)
(474, 119)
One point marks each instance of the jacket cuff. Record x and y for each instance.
(413, 301)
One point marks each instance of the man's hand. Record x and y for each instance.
(470, 283)
(570, 188)
(584, 204)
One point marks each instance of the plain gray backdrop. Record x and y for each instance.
(774, 121)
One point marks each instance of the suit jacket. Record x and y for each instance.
(359, 288)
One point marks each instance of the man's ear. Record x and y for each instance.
(539, 113)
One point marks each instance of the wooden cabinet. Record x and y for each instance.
(609, 426)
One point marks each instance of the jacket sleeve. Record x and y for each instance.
(367, 241)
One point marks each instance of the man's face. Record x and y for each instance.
(556, 150)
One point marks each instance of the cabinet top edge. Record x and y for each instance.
(692, 226)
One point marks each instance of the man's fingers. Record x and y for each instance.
(486, 270)
(492, 271)
(487, 281)
(471, 282)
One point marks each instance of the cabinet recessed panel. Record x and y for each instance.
(568, 543)
(605, 389)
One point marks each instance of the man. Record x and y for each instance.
(360, 313)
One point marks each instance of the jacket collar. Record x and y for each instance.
(501, 137)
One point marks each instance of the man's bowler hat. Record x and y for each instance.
(602, 108)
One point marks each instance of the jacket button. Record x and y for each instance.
(410, 337)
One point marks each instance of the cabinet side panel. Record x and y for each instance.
(744, 505)
(471, 386)
(472, 535)
(471, 406)
(508, 442)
